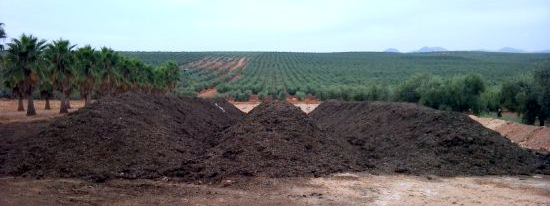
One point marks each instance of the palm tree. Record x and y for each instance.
(59, 55)
(12, 78)
(25, 53)
(2, 35)
(46, 86)
(109, 73)
(86, 63)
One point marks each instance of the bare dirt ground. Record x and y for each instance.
(534, 137)
(338, 189)
(247, 106)
(9, 113)
(208, 93)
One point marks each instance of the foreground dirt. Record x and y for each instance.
(338, 189)
(9, 113)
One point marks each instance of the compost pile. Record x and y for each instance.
(407, 138)
(150, 136)
(127, 136)
(277, 139)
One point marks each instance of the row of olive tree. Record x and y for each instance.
(529, 95)
(461, 93)
(30, 65)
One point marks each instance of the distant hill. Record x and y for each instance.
(510, 50)
(429, 49)
(392, 50)
(543, 51)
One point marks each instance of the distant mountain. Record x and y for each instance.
(392, 50)
(430, 49)
(510, 50)
(482, 50)
(543, 51)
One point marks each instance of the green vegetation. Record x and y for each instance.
(2, 35)
(476, 82)
(457, 81)
(31, 66)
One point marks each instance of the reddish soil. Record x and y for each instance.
(9, 113)
(310, 99)
(534, 137)
(208, 93)
(199, 63)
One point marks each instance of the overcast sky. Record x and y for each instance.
(284, 25)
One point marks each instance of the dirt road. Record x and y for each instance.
(339, 189)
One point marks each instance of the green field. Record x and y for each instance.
(333, 75)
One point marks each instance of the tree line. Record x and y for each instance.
(527, 95)
(30, 66)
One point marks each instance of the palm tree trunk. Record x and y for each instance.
(47, 107)
(87, 100)
(68, 103)
(30, 106)
(63, 106)
(20, 106)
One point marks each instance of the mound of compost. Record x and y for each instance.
(129, 136)
(407, 138)
(276, 139)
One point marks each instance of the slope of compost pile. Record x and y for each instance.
(276, 139)
(407, 138)
(129, 136)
